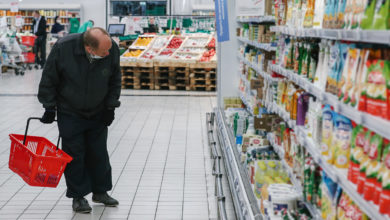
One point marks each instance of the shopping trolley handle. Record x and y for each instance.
(28, 124)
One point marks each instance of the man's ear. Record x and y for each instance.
(88, 49)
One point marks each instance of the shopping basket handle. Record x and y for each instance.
(28, 124)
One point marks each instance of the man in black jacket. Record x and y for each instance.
(81, 81)
(39, 29)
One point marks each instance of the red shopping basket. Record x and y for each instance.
(38, 161)
(29, 57)
(28, 40)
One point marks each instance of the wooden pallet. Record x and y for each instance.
(204, 65)
(203, 75)
(179, 81)
(144, 63)
(161, 81)
(203, 88)
(180, 87)
(161, 87)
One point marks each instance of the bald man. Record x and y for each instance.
(81, 82)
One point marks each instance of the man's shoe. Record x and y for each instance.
(81, 205)
(105, 199)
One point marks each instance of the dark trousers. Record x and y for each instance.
(40, 50)
(85, 140)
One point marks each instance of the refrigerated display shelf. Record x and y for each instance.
(264, 46)
(378, 125)
(335, 174)
(369, 36)
(244, 200)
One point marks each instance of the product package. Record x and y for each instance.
(341, 141)
(327, 131)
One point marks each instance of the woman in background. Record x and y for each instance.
(57, 26)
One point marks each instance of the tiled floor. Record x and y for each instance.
(158, 152)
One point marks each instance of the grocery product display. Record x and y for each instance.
(173, 62)
(315, 106)
(27, 16)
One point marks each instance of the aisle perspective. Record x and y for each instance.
(159, 154)
(304, 109)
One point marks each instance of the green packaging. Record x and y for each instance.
(368, 18)
(382, 15)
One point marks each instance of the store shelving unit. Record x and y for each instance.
(229, 63)
(336, 175)
(369, 36)
(244, 200)
(256, 19)
(264, 46)
(376, 124)
(25, 11)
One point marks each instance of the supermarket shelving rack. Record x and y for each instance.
(243, 197)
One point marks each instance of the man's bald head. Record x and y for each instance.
(97, 41)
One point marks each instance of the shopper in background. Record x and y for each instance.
(39, 29)
(152, 26)
(81, 82)
(57, 26)
(87, 25)
(74, 24)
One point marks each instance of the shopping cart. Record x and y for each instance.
(36, 159)
(12, 56)
(29, 56)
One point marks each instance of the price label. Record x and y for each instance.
(14, 7)
(144, 22)
(163, 22)
(19, 21)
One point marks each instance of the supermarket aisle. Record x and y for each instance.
(159, 155)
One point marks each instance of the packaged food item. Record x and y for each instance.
(368, 19)
(318, 13)
(375, 92)
(361, 76)
(320, 75)
(346, 82)
(332, 74)
(348, 14)
(359, 12)
(382, 171)
(341, 141)
(387, 75)
(308, 21)
(384, 200)
(357, 142)
(327, 131)
(373, 167)
(341, 14)
(364, 162)
(328, 193)
(382, 15)
(327, 13)
(313, 60)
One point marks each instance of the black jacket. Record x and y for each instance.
(74, 85)
(41, 27)
(57, 28)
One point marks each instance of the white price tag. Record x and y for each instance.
(163, 22)
(14, 7)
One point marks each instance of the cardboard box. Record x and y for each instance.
(263, 123)
(256, 84)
